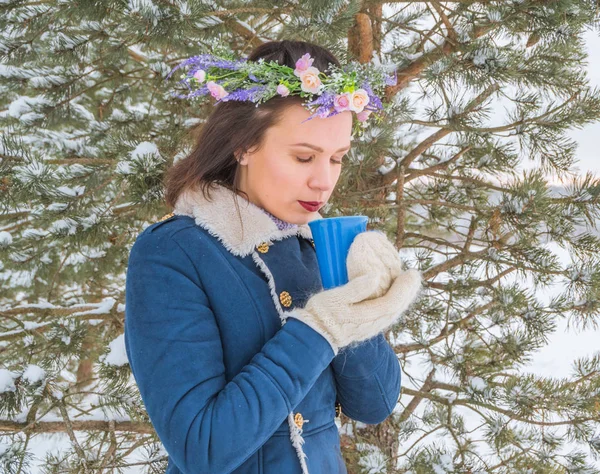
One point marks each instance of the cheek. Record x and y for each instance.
(283, 170)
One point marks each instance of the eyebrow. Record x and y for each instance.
(315, 147)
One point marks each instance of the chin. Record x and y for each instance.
(302, 218)
(299, 220)
(311, 217)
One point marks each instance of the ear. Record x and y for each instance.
(240, 157)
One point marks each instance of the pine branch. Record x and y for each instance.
(478, 284)
(81, 313)
(432, 202)
(493, 408)
(451, 34)
(414, 69)
(464, 2)
(238, 11)
(86, 425)
(244, 31)
(445, 333)
(401, 205)
(538, 120)
(469, 179)
(69, 429)
(438, 135)
(416, 400)
(415, 173)
(439, 242)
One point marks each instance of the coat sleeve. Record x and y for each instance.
(368, 380)
(175, 354)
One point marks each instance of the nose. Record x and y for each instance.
(322, 177)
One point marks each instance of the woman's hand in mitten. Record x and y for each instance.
(366, 305)
(371, 253)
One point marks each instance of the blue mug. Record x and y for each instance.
(332, 237)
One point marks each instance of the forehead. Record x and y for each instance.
(330, 133)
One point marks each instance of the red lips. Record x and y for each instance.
(311, 206)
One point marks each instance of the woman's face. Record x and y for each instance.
(275, 179)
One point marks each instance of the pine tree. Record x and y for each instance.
(89, 127)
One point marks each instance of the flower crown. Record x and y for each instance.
(354, 87)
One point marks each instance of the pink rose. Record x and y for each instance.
(216, 90)
(310, 81)
(282, 90)
(358, 100)
(363, 116)
(341, 102)
(303, 64)
(200, 75)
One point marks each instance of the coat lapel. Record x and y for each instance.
(219, 216)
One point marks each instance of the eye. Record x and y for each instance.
(304, 161)
(310, 159)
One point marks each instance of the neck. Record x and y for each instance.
(281, 224)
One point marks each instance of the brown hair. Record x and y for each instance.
(237, 126)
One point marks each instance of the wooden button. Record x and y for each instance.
(312, 242)
(263, 248)
(285, 298)
(299, 420)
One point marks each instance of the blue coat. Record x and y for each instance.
(220, 369)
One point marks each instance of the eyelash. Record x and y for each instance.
(310, 159)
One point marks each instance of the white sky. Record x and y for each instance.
(588, 137)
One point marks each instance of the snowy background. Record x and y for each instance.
(566, 345)
(554, 360)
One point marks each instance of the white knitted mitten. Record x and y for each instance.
(376, 295)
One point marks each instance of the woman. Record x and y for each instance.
(240, 356)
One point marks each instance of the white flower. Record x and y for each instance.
(310, 80)
(359, 100)
(200, 75)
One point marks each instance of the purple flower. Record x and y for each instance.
(204, 61)
(202, 91)
(326, 98)
(322, 112)
(373, 99)
(392, 80)
(252, 94)
(326, 103)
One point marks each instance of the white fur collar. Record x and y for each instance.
(221, 219)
